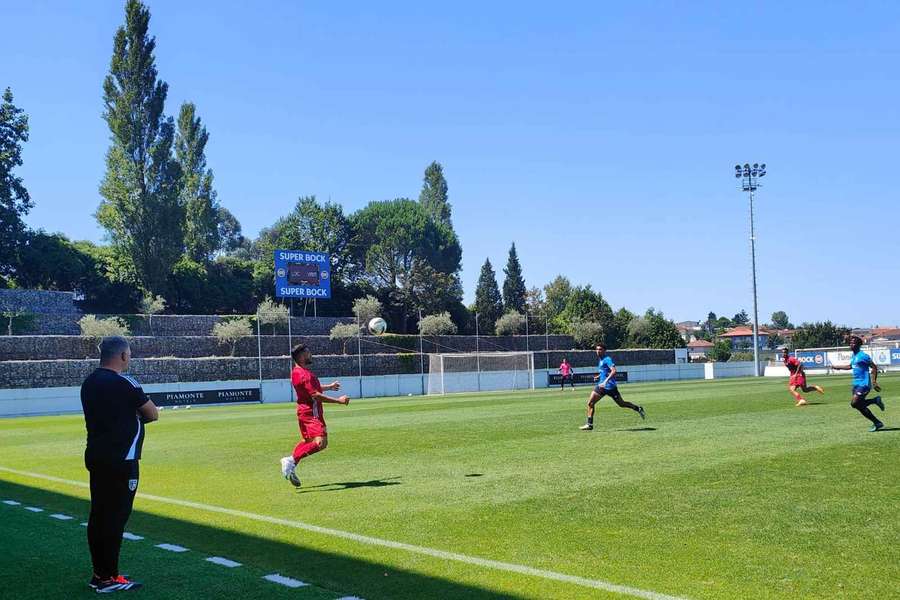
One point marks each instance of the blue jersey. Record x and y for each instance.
(861, 363)
(606, 365)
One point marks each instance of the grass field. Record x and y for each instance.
(726, 491)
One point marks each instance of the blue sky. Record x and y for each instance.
(600, 137)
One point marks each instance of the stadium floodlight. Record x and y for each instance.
(749, 176)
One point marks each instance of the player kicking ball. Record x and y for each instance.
(606, 387)
(865, 378)
(309, 412)
(798, 378)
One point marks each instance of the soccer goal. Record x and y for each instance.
(483, 371)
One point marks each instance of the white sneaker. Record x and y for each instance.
(287, 466)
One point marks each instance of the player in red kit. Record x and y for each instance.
(798, 378)
(309, 412)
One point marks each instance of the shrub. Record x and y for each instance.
(344, 333)
(511, 323)
(721, 351)
(587, 334)
(741, 356)
(17, 321)
(152, 305)
(439, 324)
(367, 308)
(272, 313)
(232, 330)
(93, 327)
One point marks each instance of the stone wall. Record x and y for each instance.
(77, 347)
(38, 302)
(57, 373)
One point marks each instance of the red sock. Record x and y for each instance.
(305, 449)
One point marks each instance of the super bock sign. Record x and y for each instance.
(302, 274)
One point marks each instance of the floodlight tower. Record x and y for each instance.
(749, 176)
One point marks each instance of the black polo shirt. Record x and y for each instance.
(115, 431)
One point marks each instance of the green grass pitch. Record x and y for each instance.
(725, 491)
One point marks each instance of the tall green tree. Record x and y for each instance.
(663, 332)
(141, 208)
(433, 196)
(514, 291)
(201, 210)
(781, 320)
(819, 335)
(742, 318)
(556, 295)
(14, 199)
(488, 301)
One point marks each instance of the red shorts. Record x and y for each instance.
(798, 380)
(311, 427)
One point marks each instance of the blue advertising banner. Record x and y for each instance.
(302, 274)
(812, 359)
(895, 356)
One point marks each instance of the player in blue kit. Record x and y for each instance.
(865, 378)
(606, 386)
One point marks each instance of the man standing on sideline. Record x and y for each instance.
(606, 386)
(565, 370)
(865, 379)
(115, 411)
(309, 412)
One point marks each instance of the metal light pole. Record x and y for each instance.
(749, 176)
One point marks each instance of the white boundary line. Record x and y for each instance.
(598, 584)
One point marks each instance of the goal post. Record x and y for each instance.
(481, 371)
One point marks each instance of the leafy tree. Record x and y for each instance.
(141, 209)
(439, 324)
(514, 292)
(709, 326)
(721, 351)
(663, 332)
(621, 320)
(723, 323)
(433, 196)
(586, 305)
(740, 357)
(774, 341)
(556, 295)
(428, 290)
(344, 332)
(534, 301)
(488, 302)
(819, 335)
(272, 313)
(587, 334)
(152, 305)
(93, 327)
(14, 199)
(201, 211)
(638, 333)
(742, 318)
(512, 323)
(109, 284)
(367, 308)
(51, 262)
(229, 234)
(780, 320)
(232, 330)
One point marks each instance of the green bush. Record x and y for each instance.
(408, 361)
(511, 323)
(344, 333)
(740, 356)
(272, 313)
(17, 322)
(367, 308)
(587, 334)
(439, 324)
(406, 342)
(93, 327)
(721, 351)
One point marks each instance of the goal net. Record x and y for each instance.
(483, 371)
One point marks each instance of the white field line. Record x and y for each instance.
(11, 502)
(598, 584)
(130, 536)
(34, 509)
(61, 517)
(172, 547)
(218, 560)
(286, 581)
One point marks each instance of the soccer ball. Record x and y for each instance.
(377, 326)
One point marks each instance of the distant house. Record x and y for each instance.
(885, 334)
(699, 349)
(688, 330)
(742, 337)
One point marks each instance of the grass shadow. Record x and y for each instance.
(638, 429)
(35, 543)
(349, 485)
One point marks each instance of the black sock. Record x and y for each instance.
(864, 410)
(590, 420)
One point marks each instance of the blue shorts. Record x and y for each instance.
(861, 390)
(613, 392)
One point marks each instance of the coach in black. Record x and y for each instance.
(115, 411)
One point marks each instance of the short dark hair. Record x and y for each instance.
(297, 351)
(111, 347)
(857, 339)
(601, 345)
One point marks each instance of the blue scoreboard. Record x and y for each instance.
(302, 274)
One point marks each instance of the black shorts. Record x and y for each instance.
(612, 392)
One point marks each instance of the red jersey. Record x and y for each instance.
(792, 364)
(305, 385)
(565, 369)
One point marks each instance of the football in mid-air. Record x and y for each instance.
(377, 326)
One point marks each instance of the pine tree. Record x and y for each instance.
(14, 199)
(488, 302)
(434, 194)
(141, 208)
(514, 290)
(201, 211)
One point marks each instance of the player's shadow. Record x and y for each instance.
(638, 429)
(888, 429)
(813, 403)
(349, 485)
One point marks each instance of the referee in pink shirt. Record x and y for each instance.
(565, 369)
